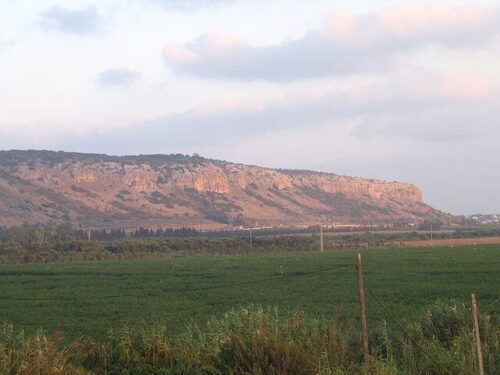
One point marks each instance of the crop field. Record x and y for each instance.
(87, 298)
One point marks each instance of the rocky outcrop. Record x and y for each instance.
(162, 190)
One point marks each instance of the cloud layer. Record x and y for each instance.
(345, 44)
(72, 21)
(117, 77)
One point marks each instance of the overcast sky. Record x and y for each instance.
(405, 91)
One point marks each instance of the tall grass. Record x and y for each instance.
(36, 355)
(264, 341)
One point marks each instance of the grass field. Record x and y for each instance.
(86, 293)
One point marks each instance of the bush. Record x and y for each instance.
(264, 341)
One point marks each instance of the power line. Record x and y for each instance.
(127, 320)
(492, 303)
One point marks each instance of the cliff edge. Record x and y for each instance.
(104, 191)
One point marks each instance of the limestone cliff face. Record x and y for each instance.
(162, 190)
(362, 187)
(201, 178)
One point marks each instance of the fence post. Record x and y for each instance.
(364, 326)
(321, 238)
(475, 316)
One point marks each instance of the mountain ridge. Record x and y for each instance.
(106, 191)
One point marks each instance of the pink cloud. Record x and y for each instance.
(412, 18)
(180, 54)
(465, 85)
(221, 38)
(341, 23)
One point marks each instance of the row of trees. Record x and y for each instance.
(38, 233)
(45, 233)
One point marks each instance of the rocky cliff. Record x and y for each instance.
(176, 190)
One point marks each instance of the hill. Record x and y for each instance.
(103, 191)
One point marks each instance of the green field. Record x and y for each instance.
(180, 290)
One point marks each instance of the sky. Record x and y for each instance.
(400, 91)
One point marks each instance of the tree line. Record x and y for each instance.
(45, 233)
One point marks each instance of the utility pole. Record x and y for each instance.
(431, 236)
(362, 304)
(251, 240)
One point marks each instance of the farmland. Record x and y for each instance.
(88, 293)
(275, 313)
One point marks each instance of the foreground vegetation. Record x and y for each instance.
(279, 313)
(255, 340)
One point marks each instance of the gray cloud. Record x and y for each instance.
(78, 21)
(117, 77)
(189, 4)
(443, 123)
(313, 56)
(5, 44)
(346, 44)
(404, 113)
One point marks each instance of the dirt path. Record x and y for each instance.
(454, 242)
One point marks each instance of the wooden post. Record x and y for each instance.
(364, 326)
(251, 241)
(321, 238)
(475, 316)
